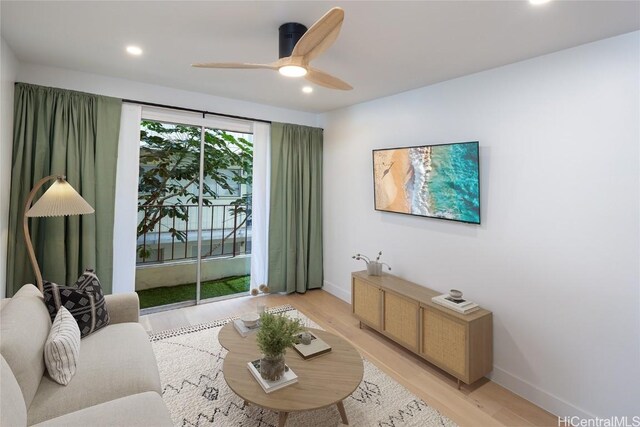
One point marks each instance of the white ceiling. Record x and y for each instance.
(383, 48)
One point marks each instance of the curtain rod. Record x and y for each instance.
(151, 104)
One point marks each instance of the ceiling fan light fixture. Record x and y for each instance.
(292, 71)
(298, 46)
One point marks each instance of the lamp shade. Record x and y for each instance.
(60, 200)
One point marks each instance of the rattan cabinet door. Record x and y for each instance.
(401, 319)
(445, 341)
(367, 302)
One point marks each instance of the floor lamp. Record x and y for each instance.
(59, 200)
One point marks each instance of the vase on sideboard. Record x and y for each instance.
(374, 268)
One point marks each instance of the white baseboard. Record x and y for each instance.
(542, 398)
(337, 291)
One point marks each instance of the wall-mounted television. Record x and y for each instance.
(436, 181)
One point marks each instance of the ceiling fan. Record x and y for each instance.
(298, 46)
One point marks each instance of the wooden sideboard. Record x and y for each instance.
(461, 344)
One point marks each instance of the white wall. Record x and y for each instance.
(128, 89)
(8, 71)
(557, 255)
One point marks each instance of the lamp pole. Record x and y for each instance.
(25, 228)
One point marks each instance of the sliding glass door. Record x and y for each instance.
(194, 210)
(225, 250)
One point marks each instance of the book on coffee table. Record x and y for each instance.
(315, 348)
(289, 377)
(242, 329)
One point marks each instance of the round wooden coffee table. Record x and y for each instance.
(323, 381)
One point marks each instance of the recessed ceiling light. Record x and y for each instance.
(292, 71)
(538, 2)
(134, 50)
(307, 89)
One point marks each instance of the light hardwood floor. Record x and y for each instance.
(483, 404)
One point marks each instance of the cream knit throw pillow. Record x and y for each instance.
(62, 348)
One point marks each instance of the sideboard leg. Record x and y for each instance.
(459, 384)
(360, 325)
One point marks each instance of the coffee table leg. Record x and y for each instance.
(283, 419)
(343, 413)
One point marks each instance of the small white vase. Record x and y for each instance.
(374, 268)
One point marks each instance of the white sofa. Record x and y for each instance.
(116, 382)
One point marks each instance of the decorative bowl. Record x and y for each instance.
(305, 338)
(250, 319)
(455, 294)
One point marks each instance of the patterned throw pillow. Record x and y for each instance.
(84, 300)
(62, 348)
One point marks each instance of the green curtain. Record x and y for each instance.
(295, 216)
(75, 134)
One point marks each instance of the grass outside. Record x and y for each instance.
(214, 288)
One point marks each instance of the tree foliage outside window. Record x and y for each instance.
(170, 171)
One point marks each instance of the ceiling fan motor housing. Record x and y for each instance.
(290, 33)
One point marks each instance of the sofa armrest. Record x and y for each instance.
(123, 307)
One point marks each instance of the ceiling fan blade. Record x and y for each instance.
(320, 36)
(327, 80)
(236, 65)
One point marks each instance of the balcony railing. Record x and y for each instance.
(226, 232)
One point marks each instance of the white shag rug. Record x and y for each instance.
(193, 387)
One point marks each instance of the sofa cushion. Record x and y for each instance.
(24, 327)
(62, 349)
(116, 361)
(13, 411)
(84, 300)
(139, 410)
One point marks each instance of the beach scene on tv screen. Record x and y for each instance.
(438, 181)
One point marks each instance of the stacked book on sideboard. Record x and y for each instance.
(460, 305)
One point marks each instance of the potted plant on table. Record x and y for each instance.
(276, 334)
